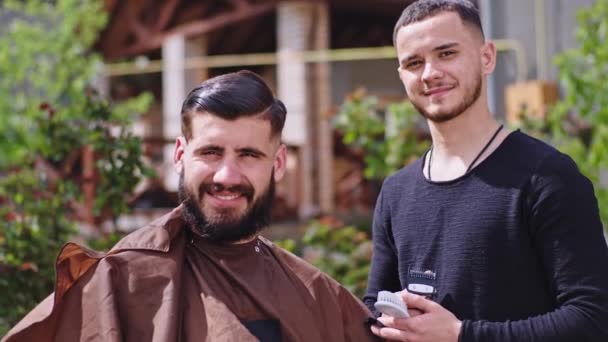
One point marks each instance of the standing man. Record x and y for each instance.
(202, 272)
(492, 235)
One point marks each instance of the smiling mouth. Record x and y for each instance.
(436, 91)
(226, 197)
(220, 195)
(224, 200)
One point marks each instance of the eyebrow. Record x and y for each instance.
(437, 48)
(203, 148)
(445, 46)
(211, 147)
(251, 150)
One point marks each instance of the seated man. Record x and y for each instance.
(202, 272)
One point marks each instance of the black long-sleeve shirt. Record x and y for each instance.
(516, 245)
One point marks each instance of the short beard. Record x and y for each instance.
(256, 217)
(467, 102)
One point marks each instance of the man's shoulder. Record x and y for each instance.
(133, 254)
(538, 154)
(533, 147)
(155, 240)
(543, 157)
(84, 275)
(154, 236)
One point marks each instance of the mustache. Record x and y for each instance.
(243, 189)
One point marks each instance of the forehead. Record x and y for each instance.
(433, 31)
(245, 131)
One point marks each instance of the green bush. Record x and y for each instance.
(388, 135)
(50, 113)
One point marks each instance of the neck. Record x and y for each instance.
(462, 136)
(460, 143)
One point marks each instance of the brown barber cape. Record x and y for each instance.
(164, 283)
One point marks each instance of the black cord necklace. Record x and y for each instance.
(474, 160)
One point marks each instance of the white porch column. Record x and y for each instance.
(322, 88)
(177, 82)
(305, 90)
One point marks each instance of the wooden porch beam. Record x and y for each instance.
(141, 32)
(155, 40)
(239, 4)
(124, 17)
(166, 14)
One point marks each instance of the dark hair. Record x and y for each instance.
(232, 96)
(422, 9)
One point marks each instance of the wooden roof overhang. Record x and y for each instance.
(138, 27)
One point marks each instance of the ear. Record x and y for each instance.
(488, 57)
(178, 153)
(280, 162)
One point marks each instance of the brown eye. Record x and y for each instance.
(413, 64)
(209, 153)
(249, 154)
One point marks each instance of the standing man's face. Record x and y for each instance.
(442, 64)
(227, 174)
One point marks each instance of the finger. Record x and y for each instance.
(399, 293)
(375, 330)
(392, 334)
(384, 319)
(414, 312)
(415, 301)
(393, 322)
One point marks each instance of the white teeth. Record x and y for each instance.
(227, 198)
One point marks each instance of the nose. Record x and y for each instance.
(227, 173)
(431, 72)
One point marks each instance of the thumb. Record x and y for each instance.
(414, 301)
(400, 293)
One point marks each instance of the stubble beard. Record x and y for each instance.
(224, 227)
(468, 100)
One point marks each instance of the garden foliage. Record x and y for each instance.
(50, 114)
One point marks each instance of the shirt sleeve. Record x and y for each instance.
(384, 273)
(567, 233)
